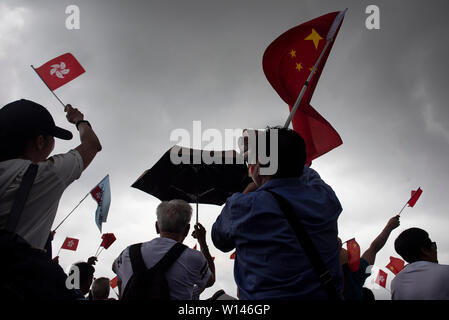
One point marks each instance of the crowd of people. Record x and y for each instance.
(283, 228)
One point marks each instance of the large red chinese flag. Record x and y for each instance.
(60, 70)
(395, 265)
(113, 282)
(108, 239)
(353, 255)
(288, 62)
(70, 244)
(381, 279)
(414, 197)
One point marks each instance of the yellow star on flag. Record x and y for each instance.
(314, 73)
(315, 37)
(293, 53)
(298, 66)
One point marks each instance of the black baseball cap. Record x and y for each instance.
(28, 118)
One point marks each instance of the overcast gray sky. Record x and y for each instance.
(155, 66)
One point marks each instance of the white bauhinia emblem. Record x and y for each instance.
(70, 243)
(59, 70)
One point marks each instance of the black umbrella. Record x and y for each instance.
(194, 180)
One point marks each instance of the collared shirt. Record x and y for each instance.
(186, 277)
(421, 280)
(53, 177)
(269, 262)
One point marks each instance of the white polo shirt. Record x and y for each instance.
(53, 177)
(421, 280)
(186, 277)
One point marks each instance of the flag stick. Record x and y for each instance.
(48, 86)
(408, 201)
(59, 251)
(304, 87)
(100, 252)
(71, 211)
(329, 39)
(97, 250)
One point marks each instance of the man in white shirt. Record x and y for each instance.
(192, 272)
(423, 278)
(27, 132)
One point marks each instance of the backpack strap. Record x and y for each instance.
(309, 247)
(21, 198)
(167, 260)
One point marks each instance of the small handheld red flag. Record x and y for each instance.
(70, 244)
(232, 257)
(395, 265)
(415, 194)
(108, 239)
(113, 282)
(381, 279)
(353, 254)
(60, 70)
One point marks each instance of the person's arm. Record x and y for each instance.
(90, 145)
(378, 243)
(200, 234)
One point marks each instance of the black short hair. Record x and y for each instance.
(409, 243)
(291, 152)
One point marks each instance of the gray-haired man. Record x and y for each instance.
(192, 272)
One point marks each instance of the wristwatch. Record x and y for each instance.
(82, 121)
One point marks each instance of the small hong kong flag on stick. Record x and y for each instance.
(395, 265)
(60, 70)
(108, 239)
(70, 244)
(381, 279)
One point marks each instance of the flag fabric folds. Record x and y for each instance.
(60, 70)
(288, 62)
(108, 239)
(70, 244)
(381, 279)
(113, 282)
(353, 255)
(415, 194)
(395, 265)
(102, 195)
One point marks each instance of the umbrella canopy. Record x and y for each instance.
(195, 181)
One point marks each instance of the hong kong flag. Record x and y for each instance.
(60, 70)
(70, 244)
(288, 62)
(108, 239)
(381, 279)
(101, 193)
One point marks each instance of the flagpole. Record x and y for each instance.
(97, 249)
(304, 87)
(408, 201)
(71, 212)
(48, 87)
(100, 252)
(59, 251)
(329, 39)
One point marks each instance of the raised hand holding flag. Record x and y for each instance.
(381, 279)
